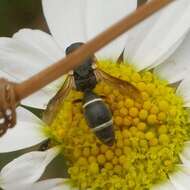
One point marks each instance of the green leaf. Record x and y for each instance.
(36, 111)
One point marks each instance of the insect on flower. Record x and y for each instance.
(152, 136)
(84, 78)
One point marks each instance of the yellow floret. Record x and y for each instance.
(153, 141)
(119, 143)
(122, 159)
(143, 114)
(118, 135)
(142, 126)
(164, 139)
(126, 133)
(141, 86)
(94, 150)
(154, 109)
(109, 155)
(77, 153)
(136, 121)
(115, 160)
(94, 168)
(147, 77)
(150, 88)
(149, 135)
(163, 105)
(123, 111)
(107, 90)
(143, 143)
(145, 96)
(127, 141)
(133, 111)
(108, 166)
(117, 169)
(86, 152)
(82, 161)
(152, 119)
(133, 130)
(162, 129)
(127, 121)
(136, 77)
(91, 159)
(101, 159)
(162, 116)
(120, 104)
(103, 148)
(118, 151)
(147, 105)
(173, 112)
(118, 120)
(129, 103)
(127, 150)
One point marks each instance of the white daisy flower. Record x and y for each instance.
(152, 149)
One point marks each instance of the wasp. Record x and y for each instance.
(85, 78)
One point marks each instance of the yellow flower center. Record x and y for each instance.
(149, 134)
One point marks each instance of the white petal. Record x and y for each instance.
(101, 15)
(177, 66)
(7, 76)
(66, 20)
(168, 53)
(149, 43)
(41, 41)
(181, 178)
(51, 184)
(184, 90)
(27, 169)
(164, 186)
(20, 59)
(185, 155)
(28, 52)
(27, 132)
(45, 44)
(39, 99)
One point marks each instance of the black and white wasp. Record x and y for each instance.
(84, 78)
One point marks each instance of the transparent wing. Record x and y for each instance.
(55, 102)
(124, 86)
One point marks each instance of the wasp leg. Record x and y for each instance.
(77, 101)
(44, 146)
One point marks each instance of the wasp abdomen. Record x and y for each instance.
(99, 117)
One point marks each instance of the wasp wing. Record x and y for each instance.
(55, 102)
(124, 86)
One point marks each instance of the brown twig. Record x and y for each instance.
(53, 72)
(38, 81)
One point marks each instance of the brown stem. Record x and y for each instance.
(53, 72)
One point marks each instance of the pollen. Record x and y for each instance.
(133, 111)
(149, 133)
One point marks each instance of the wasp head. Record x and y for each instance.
(85, 68)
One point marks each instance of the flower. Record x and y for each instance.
(159, 124)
